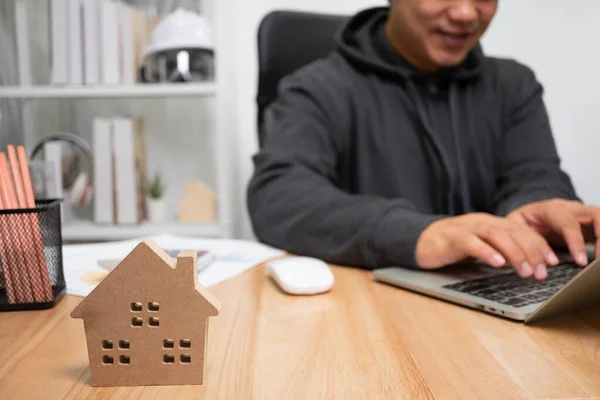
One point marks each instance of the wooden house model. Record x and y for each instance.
(198, 203)
(146, 323)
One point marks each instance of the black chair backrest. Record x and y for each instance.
(288, 40)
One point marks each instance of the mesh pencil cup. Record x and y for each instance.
(31, 263)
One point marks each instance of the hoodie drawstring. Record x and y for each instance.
(455, 129)
(454, 175)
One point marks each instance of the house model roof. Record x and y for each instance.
(138, 268)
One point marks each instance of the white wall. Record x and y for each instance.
(557, 39)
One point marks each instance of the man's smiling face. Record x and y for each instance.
(440, 33)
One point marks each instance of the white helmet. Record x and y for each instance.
(181, 49)
(182, 29)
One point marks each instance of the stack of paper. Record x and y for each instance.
(232, 257)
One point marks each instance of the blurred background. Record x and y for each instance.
(209, 137)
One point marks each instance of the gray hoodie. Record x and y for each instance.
(363, 152)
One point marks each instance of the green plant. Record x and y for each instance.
(156, 187)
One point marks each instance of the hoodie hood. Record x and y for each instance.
(363, 43)
(357, 41)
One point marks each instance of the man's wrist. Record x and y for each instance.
(396, 236)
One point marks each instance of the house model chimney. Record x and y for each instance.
(187, 266)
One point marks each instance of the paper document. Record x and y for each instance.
(231, 258)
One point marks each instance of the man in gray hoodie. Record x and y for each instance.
(408, 146)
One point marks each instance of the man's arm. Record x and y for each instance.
(529, 168)
(293, 200)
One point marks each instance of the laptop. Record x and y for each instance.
(502, 292)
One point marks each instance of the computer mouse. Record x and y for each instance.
(301, 275)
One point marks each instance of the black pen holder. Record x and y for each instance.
(31, 262)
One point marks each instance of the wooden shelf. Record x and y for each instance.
(110, 91)
(88, 231)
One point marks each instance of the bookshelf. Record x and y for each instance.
(117, 91)
(88, 231)
(221, 91)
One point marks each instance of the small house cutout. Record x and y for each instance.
(146, 323)
(198, 203)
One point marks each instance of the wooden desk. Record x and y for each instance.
(363, 340)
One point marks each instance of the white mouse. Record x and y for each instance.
(301, 275)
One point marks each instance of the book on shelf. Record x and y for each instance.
(59, 42)
(103, 171)
(75, 42)
(98, 41)
(109, 38)
(92, 42)
(120, 170)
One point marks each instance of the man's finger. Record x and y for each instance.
(565, 222)
(535, 247)
(477, 248)
(503, 242)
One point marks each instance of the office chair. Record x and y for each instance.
(288, 40)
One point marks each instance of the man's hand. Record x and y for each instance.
(563, 223)
(494, 240)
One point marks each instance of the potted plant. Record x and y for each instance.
(156, 202)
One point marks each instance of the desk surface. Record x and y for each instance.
(362, 340)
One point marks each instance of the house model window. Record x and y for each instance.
(121, 353)
(168, 358)
(152, 307)
(146, 323)
(184, 357)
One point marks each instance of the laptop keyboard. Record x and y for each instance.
(512, 290)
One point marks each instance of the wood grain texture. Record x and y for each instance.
(362, 340)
